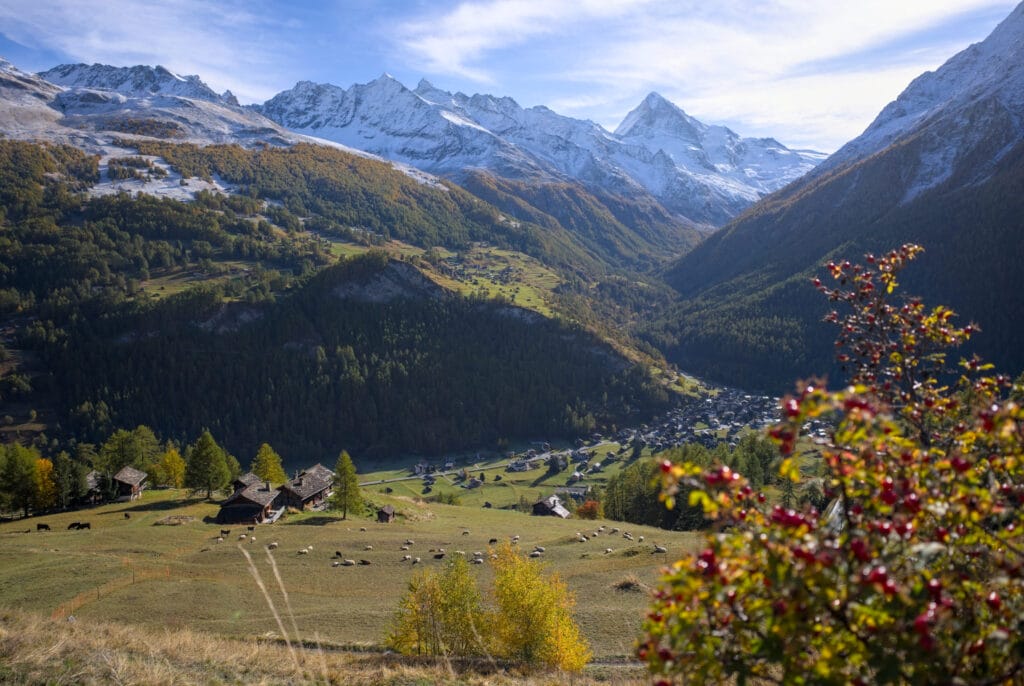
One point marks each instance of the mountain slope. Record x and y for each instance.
(942, 166)
(89, 105)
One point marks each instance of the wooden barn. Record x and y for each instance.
(130, 483)
(551, 507)
(309, 489)
(253, 504)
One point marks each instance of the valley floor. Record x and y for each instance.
(179, 580)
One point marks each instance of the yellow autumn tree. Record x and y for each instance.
(170, 468)
(440, 614)
(44, 495)
(534, 614)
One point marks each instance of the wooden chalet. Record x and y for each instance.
(245, 481)
(386, 514)
(309, 489)
(130, 483)
(551, 507)
(253, 504)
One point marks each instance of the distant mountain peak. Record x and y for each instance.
(137, 81)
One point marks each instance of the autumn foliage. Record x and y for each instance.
(915, 571)
(443, 614)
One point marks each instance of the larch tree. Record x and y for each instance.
(346, 496)
(44, 495)
(207, 467)
(170, 468)
(267, 465)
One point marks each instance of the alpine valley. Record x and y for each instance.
(408, 270)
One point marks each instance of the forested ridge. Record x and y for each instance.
(317, 371)
(747, 317)
(263, 344)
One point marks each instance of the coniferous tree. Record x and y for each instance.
(267, 465)
(44, 492)
(170, 469)
(346, 496)
(19, 476)
(207, 467)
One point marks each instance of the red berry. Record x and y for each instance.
(994, 601)
(666, 466)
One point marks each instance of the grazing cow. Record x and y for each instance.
(362, 528)
(365, 562)
(225, 532)
(84, 525)
(409, 541)
(73, 525)
(127, 516)
(406, 558)
(465, 533)
(251, 528)
(439, 556)
(415, 560)
(492, 541)
(487, 504)
(535, 553)
(42, 527)
(477, 561)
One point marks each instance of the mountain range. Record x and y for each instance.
(704, 174)
(942, 165)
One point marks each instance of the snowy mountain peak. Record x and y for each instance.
(976, 93)
(137, 81)
(656, 114)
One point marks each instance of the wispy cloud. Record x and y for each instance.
(452, 42)
(222, 42)
(810, 73)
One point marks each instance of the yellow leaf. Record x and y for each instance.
(789, 470)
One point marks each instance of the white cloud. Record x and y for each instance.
(788, 68)
(220, 42)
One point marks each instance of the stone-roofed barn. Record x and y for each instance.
(130, 483)
(309, 489)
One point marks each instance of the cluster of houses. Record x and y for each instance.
(255, 501)
(728, 413)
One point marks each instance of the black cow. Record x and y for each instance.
(127, 516)
(73, 525)
(84, 525)
(42, 527)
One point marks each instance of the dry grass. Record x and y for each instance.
(37, 650)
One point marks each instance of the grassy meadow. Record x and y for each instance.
(136, 571)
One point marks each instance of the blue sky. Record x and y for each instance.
(811, 73)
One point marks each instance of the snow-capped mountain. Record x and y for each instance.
(973, 100)
(137, 81)
(89, 105)
(453, 134)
